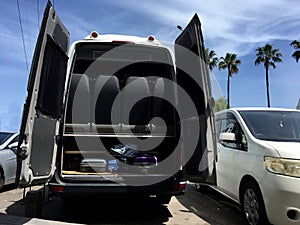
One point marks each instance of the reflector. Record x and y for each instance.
(94, 34)
(151, 38)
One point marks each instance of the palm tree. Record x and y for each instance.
(296, 54)
(212, 59)
(229, 62)
(268, 56)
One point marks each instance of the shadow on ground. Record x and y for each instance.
(212, 206)
(7, 188)
(100, 211)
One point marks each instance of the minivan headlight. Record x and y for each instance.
(288, 167)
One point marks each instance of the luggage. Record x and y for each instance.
(93, 165)
(113, 165)
(144, 160)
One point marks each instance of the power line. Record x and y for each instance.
(22, 33)
(38, 12)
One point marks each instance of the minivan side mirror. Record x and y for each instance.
(227, 137)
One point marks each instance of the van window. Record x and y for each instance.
(110, 55)
(143, 71)
(218, 127)
(273, 125)
(229, 124)
(52, 79)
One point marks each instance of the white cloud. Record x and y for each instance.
(230, 26)
(11, 43)
(78, 27)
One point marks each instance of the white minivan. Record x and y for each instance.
(258, 162)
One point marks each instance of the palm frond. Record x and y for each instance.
(268, 56)
(212, 59)
(272, 64)
(295, 44)
(296, 55)
(222, 65)
(259, 60)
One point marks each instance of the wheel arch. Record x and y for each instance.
(249, 178)
(245, 179)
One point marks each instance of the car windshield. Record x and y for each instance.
(273, 125)
(4, 136)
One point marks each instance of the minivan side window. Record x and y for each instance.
(218, 124)
(229, 124)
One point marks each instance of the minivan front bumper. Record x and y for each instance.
(281, 195)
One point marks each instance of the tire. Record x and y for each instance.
(253, 204)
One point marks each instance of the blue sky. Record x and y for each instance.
(228, 26)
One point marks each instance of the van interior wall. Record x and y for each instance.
(90, 133)
(76, 149)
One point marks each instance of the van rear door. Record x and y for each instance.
(43, 108)
(197, 118)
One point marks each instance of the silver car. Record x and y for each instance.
(8, 161)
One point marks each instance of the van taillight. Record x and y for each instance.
(94, 34)
(151, 38)
(57, 188)
(180, 186)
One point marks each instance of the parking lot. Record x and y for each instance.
(195, 208)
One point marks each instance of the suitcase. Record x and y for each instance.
(145, 160)
(93, 165)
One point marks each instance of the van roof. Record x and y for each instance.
(94, 36)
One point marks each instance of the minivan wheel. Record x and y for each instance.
(253, 204)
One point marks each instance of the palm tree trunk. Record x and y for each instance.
(267, 85)
(228, 89)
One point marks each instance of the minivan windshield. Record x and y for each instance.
(4, 136)
(273, 125)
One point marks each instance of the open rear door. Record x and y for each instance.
(43, 108)
(199, 146)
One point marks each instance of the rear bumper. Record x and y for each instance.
(172, 186)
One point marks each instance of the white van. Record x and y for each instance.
(110, 116)
(258, 162)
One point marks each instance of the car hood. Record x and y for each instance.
(286, 149)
